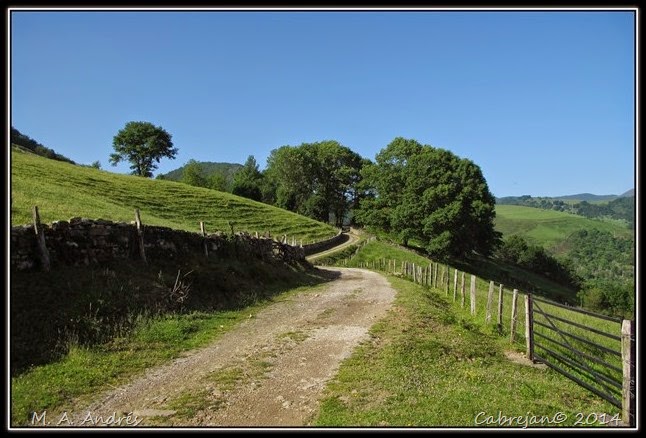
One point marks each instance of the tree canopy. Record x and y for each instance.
(314, 179)
(432, 196)
(142, 144)
(192, 175)
(247, 181)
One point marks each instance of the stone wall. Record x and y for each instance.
(89, 242)
(324, 245)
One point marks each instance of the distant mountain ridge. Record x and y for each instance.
(588, 197)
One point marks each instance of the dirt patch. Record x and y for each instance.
(268, 371)
(520, 358)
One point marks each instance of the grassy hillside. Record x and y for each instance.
(62, 191)
(548, 227)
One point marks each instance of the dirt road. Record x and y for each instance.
(353, 237)
(268, 371)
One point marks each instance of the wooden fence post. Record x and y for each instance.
(446, 284)
(529, 326)
(414, 273)
(435, 275)
(455, 284)
(500, 300)
(489, 302)
(514, 315)
(462, 289)
(140, 236)
(40, 238)
(205, 243)
(441, 278)
(628, 362)
(473, 294)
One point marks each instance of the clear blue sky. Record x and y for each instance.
(542, 101)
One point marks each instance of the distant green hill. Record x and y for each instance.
(62, 191)
(207, 168)
(548, 228)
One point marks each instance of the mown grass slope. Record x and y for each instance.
(548, 228)
(62, 191)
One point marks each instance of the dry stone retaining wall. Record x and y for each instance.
(81, 241)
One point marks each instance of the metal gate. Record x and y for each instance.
(585, 347)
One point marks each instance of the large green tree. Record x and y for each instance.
(192, 174)
(430, 195)
(314, 179)
(142, 144)
(248, 180)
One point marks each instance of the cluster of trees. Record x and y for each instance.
(27, 142)
(216, 176)
(517, 251)
(609, 297)
(622, 208)
(319, 180)
(313, 179)
(601, 255)
(598, 264)
(608, 264)
(430, 196)
(193, 174)
(413, 192)
(248, 181)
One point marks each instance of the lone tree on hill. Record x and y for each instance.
(142, 144)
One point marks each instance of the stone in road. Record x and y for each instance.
(269, 370)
